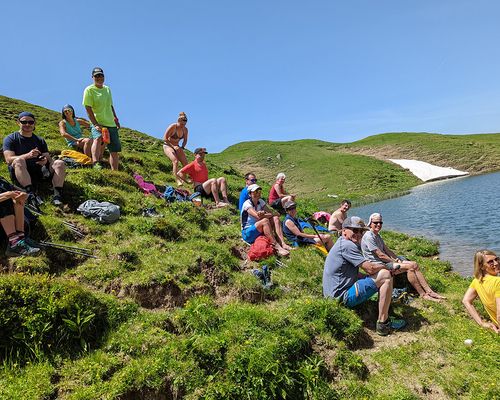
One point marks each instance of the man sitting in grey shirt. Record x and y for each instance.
(375, 250)
(341, 278)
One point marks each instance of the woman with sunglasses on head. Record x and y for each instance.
(486, 286)
(70, 128)
(171, 139)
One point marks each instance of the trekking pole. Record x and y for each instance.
(312, 221)
(68, 249)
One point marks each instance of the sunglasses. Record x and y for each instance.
(253, 180)
(491, 263)
(183, 120)
(377, 223)
(99, 76)
(29, 122)
(357, 230)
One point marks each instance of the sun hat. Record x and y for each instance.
(354, 223)
(253, 188)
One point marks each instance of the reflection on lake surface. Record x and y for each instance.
(463, 214)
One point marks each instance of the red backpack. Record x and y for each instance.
(260, 249)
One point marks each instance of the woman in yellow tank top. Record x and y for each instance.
(486, 286)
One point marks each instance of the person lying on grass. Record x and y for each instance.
(486, 286)
(296, 235)
(198, 172)
(342, 281)
(375, 250)
(258, 219)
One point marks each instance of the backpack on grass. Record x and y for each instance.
(74, 158)
(103, 212)
(260, 249)
(172, 195)
(147, 187)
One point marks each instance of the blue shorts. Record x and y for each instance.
(361, 291)
(250, 234)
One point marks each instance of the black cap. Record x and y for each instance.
(97, 71)
(199, 150)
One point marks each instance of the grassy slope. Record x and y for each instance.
(236, 339)
(357, 170)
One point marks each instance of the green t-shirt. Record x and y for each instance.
(101, 101)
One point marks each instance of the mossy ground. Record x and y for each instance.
(181, 315)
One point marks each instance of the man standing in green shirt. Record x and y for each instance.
(99, 105)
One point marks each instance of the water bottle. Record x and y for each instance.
(105, 136)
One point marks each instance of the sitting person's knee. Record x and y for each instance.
(58, 165)
(19, 163)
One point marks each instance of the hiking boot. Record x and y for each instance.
(383, 328)
(259, 275)
(397, 323)
(57, 201)
(21, 248)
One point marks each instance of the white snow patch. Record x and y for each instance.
(428, 172)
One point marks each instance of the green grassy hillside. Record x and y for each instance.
(171, 310)
(359, 170)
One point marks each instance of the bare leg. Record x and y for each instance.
(172, 155)
(8, 225)
(96, 150)
(21, 172)
(264, 226)
(383, 280)
(19, 216)
(419, 282)
(279, 232)
(221, 182)
(59, 173)
(87, 147)
(113, 160)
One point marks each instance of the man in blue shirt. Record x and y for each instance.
(250, 179)
(341, 278)
(29, 161)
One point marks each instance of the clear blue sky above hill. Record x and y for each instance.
(280, 70)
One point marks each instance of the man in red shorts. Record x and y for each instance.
(198, 172)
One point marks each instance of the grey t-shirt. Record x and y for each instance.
(341, 268)
(369, 244)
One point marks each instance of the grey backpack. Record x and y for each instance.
(103, 212)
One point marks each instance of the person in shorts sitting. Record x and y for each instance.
(198, 172)
(29, 161)
(258, 219)
(342, 281)
(296, 235)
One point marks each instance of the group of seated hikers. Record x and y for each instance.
(358, 246)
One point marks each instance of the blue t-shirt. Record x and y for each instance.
(20, 145)
(244, 196)
(246, 219)
(341, 268)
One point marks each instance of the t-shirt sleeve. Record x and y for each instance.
(497, 288)
(246, 205)
(87, 98)
(369, 242)
(43, 146)
(187, 169)
(8, 143)
(352, 254)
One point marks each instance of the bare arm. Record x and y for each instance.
(10, 156)
(382, 256)
(64, 133)
(117, 122)
(467, 301)
(168, 132)
(372, 268)
(185, 139)
(334, 218)
(280, 190)
(296, 231)
(83, 122)
(92, 118)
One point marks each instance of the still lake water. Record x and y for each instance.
(463, 214)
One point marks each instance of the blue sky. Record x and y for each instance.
(279, 70)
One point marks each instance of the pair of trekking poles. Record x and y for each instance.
(33, 207)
